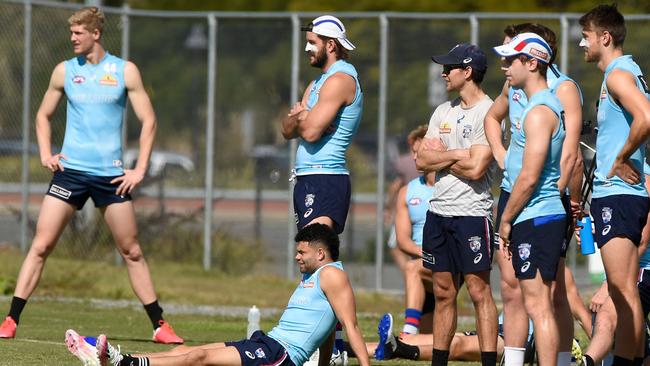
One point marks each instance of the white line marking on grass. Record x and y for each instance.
(38, 341)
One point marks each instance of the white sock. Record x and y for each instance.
(564, 358)
(514, 356)
(410, 329)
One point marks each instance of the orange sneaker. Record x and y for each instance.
(165, 334)
(8, 328)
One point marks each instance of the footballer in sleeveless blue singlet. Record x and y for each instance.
(322, 182)
(619, 209)
(417, 201)
(538, 230)
(92, 144)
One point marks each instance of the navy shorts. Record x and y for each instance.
(501, 205)
(320, 195)
(459, 244)
(261, 350)
(619, 216)
(536, 244)
(74, 187)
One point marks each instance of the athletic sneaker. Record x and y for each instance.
(387, 342)
(108, 355)
(84, 351)
(8, 328)
(165, 334)
(339, 358)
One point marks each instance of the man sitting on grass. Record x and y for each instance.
(323, 296)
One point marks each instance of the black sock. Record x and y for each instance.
(439, 357)
(133, 361)
(620, 361)
(488, 358)
(154, 311)
(406, 351)
(347, 348)
(17, 306)
(589, 361)
(638, 361)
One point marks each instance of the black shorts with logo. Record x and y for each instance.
(621, 215)
(74, 187)
(536, 244)
(320, 195)
(261, 350)
(457, 244)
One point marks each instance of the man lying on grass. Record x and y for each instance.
(323, 296)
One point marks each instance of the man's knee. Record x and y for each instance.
(445, 292)
(41, 248)
(412, 268)
(623, 292)
(132, 251)
(196, 358)
(537, 306)
(479, 290)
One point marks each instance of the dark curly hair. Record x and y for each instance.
(320, 234)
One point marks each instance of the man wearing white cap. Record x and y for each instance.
(533, 221)
(324, 121)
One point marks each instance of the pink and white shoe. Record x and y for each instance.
(84, 351)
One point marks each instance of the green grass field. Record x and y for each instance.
(63, 300)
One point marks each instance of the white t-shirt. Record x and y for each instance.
(460, 128)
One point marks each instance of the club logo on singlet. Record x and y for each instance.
(516, 96)
(467, 131)
(603, 93)
(78, 79)
(108, 80)
(414, 201)
(445, 128)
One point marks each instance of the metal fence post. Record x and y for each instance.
(295, 73)
(209, 158)
(381, 150)
(27, 81)
(474, 28)
(564, 44)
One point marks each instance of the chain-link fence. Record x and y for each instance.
(220, 84)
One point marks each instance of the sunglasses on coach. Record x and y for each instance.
(446, 69)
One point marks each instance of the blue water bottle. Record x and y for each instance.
(586, 236)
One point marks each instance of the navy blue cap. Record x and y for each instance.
(464, 54)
